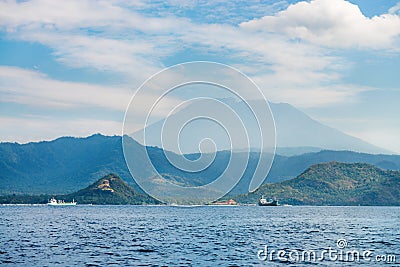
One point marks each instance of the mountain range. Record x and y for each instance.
(68, 164)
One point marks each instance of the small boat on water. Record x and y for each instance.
(265, 202)
(55, 202)
(229, 202)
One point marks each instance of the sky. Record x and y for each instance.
(69, 68)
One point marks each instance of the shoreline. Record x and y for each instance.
(192, 206)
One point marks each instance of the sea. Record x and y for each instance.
(199, 236)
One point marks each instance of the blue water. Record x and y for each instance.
(197, 236)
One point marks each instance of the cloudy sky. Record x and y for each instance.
(71, 67)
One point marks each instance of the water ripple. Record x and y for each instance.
(202, 236)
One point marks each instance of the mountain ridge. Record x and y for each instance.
(67, 164)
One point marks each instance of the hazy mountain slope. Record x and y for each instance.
(294, 129)
(334, 184)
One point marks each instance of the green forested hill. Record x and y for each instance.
(335, 184)
(110, 190)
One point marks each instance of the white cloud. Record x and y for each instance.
(33, 88)
(103, 54)
(132, 44)
(74, 14)
(125, 34)
(316, 96)
(332, 23)
(36, 89)
(47, 128)
(104, 35)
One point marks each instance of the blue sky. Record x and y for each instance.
(70, 67)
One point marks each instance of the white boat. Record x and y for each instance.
(55, 202)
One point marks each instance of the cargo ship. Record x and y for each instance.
(265, 202)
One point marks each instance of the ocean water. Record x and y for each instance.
(199, 236)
